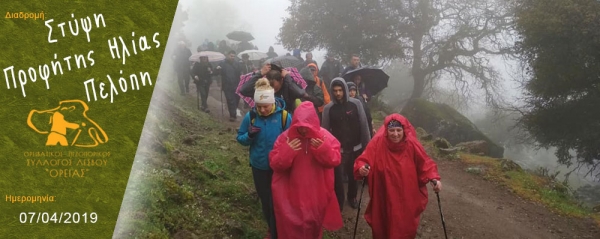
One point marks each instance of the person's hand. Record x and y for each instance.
(253, 131)
(284, 73)
(437, 185)
(294, 144)
(364, 170)
(316, 143)
(365, 97)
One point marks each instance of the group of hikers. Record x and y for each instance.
(305, 144)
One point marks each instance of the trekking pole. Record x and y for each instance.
(440, 207)
(360, 202)
(222, 114)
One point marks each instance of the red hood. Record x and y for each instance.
(305, 115)
(409, 130)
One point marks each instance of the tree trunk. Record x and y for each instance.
(419, 83)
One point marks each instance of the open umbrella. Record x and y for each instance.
(375, 79)
(240, 36)
(213, 56)
(254, 54)
(296, 78)
(286, 61)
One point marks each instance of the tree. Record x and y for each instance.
(451, 38)
(560, 48)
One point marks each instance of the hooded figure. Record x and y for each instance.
(303, 159)
(322, 84)
(398, 176)
(314, 91)
(345, 118)
(271, 53)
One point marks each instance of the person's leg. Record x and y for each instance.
(352, 184)
(230, 103)
(187, 78)
(204, 94)
(262, 184)
(272, 222)
(339, 185)
(180, 81)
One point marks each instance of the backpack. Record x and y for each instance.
(284, 116)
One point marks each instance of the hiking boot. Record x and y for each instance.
(353, 203)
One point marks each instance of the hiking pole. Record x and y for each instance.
(360, 202)
(440, 207)
(222, 114)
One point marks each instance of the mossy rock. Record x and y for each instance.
(442, 120)
(509, 165)
(441, 143)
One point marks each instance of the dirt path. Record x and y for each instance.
(472, 206)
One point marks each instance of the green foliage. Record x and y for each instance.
(434, 37)
(560, 45)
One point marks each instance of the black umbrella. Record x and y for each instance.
(240, 36)
(375, 79)
(286, 61)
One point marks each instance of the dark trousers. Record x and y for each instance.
(345, 169)
(233, 101)
(202, 88)
(183, 78)
(262, 184)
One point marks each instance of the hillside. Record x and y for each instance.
(192, 180)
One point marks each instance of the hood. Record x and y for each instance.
(351, 85)
(339, 81)
(409, 130)
(305, 115)
(307, 75)
(316, 73)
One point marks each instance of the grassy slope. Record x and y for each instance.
(202, 187)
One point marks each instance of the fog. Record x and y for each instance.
(213, 19)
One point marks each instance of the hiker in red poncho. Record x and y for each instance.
(398, 175)
(302, 160)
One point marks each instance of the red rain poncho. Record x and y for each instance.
(303, 193)
(397, 182)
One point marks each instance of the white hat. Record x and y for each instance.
(264, 96)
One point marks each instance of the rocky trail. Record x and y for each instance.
(472, 206)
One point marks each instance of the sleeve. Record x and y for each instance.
(365, 134)
(248, 87)
(325, 117)
(369, 117)
(242, 136)
(318, 96)
(295, 90)
(328, 154)
(326, 96)
(426, 167)
(282, 156)
(364, 158)
(195, 71)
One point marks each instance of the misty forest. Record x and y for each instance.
(504, 96)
